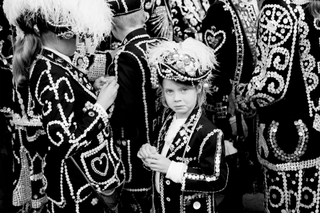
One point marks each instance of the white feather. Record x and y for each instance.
(83, 16)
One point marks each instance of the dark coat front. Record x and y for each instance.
(58, 120)
(199, 144)
(135, 106)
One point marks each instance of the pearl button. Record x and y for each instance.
(196, 205)
(91, 114)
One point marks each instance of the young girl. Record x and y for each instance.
(188, 159)
(60, 116)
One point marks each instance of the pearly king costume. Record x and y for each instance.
(134, 112)
(59, 117)
(285, 91)
(194, 143)
(134, 116)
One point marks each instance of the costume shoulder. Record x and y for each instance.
(216, 32)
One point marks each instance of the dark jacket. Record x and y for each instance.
(59, 120)
(134, 116)
(200, 145)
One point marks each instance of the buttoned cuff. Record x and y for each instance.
(175, 171)
(102, 112)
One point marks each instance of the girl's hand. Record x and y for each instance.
(99, 82)
(146, 151)
(108, 93)
(158, 163)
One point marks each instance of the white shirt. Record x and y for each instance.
(176, 169)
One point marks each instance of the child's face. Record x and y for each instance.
(179, 97)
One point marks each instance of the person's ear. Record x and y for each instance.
(199, 88)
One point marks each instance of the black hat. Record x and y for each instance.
(124, 7)
(186, 61)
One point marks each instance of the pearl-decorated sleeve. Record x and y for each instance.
(276, 49)
(208, 177)
(66, 130)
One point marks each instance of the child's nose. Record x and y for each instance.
(177, 97)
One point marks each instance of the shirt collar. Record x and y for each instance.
(59, 54)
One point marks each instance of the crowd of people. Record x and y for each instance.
(123, 106)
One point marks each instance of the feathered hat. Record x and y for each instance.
(188, 61)
(66, 18)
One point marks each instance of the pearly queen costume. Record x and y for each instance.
(72, 126)
(285, 91)
(57, 117)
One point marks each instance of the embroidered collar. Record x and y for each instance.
(183, 136)
(136, 34)
(79, 76)
(59, 54)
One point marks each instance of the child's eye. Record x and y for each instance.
(184, 90)
(168, 91)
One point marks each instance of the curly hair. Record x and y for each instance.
(314, 7)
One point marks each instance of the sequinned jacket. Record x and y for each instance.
(233, 41)
(199, 144)
(59, 110)
(134, 114)
(285, 84)
(176, 19)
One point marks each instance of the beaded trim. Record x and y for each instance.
(24, 121)
(301, 146)
(98, 67)
(291, 166)
(218, 154)
(291, 191)
(239, 41)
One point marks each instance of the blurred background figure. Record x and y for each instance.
(6, 106)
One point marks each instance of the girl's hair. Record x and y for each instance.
(201, 97)
(65, 18)
(314, 7)
(25, 51)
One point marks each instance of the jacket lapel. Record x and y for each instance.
(183, 136)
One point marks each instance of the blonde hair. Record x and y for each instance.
(25, 51)
(201, 96)
(314, 7)
(32, 17)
